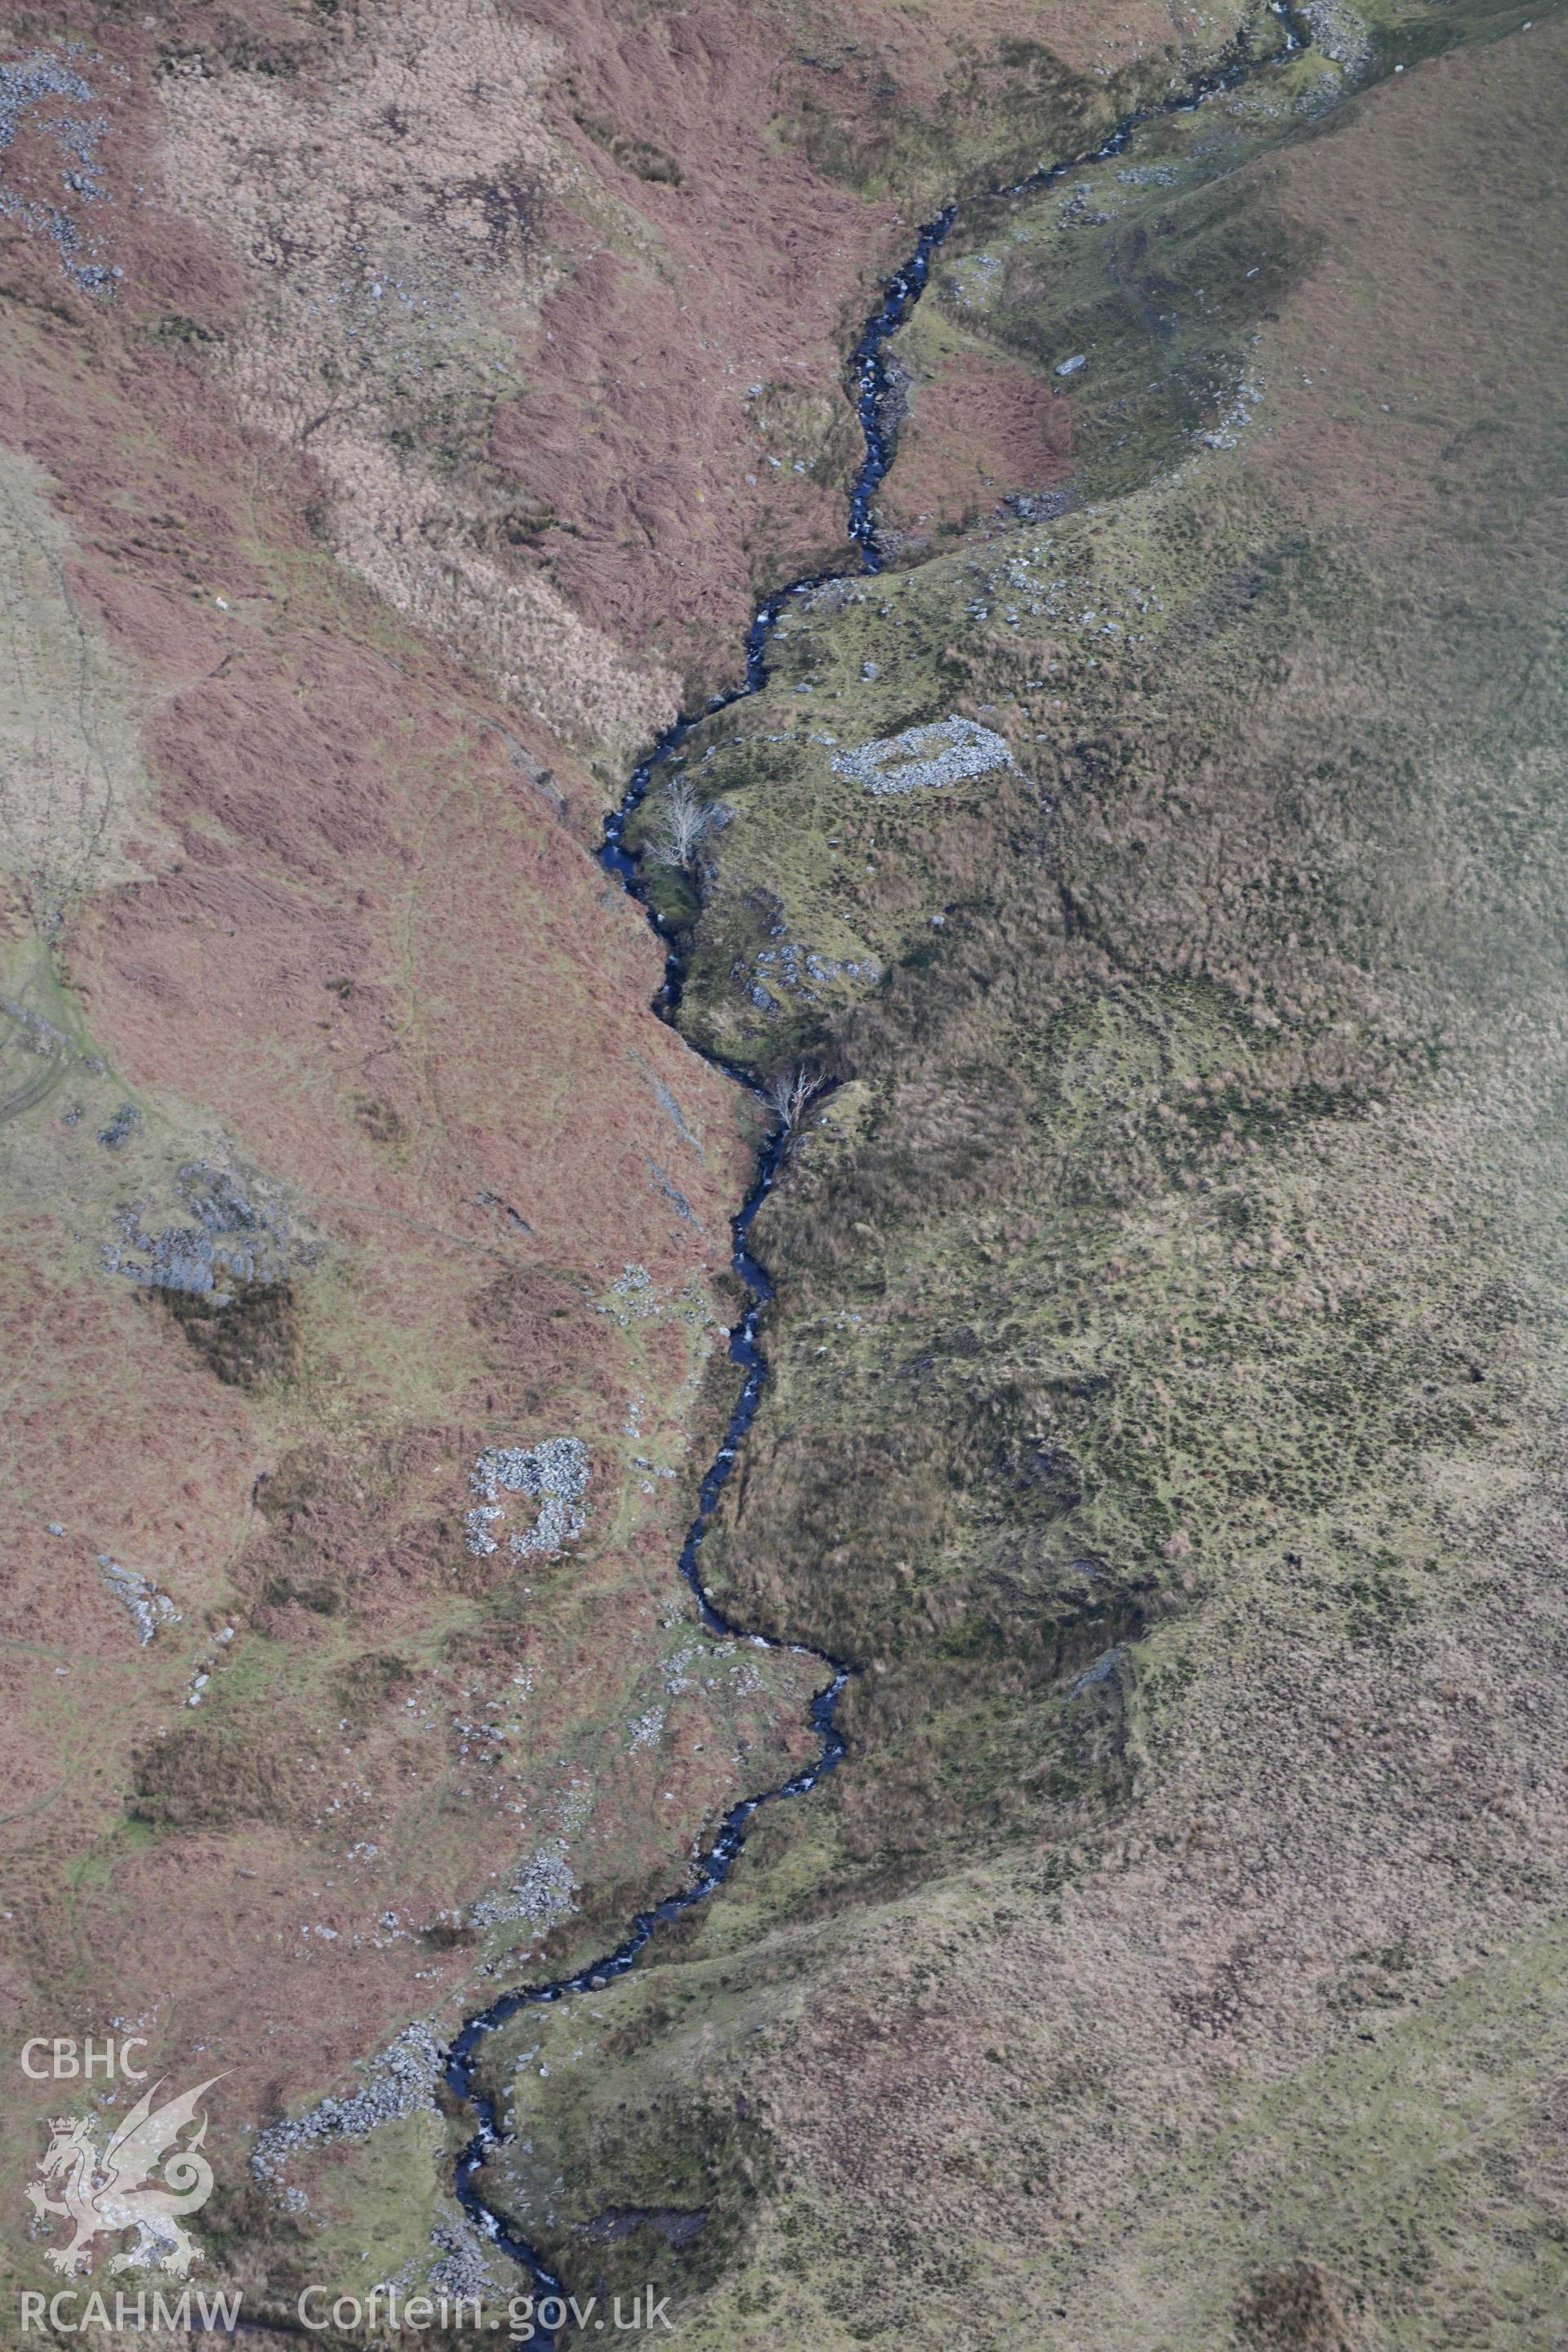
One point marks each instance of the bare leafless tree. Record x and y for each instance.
(789, 1094)
(680, 827)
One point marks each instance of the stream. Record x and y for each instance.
(869, 374)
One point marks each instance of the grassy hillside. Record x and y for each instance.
(1168, 1353)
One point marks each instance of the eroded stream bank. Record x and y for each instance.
(870, 380)
(714, 1864)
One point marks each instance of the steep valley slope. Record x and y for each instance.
(1167, 1357)
(1156, 872)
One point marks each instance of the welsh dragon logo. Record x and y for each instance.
(114, 2188)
